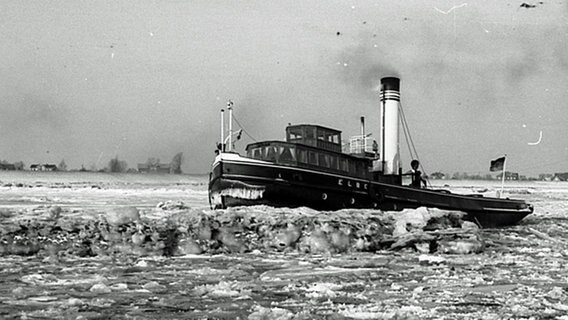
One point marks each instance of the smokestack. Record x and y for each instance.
(389, 134)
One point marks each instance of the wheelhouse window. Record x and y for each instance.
(310, 133)
(335, 138)
(295, 134)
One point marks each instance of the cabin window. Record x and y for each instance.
(302, 156)
(358, 168)
(271, 153)
(287, 154)
(352, 167)
(313, 158)
(333, 162)
(257, 153)
(343, 165)
(321, 135)
(323, 160)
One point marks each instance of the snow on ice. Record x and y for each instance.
(133, 246)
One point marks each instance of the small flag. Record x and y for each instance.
(497, 164)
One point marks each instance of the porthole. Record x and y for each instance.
(324, 196)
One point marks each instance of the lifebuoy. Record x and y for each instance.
(324, 196)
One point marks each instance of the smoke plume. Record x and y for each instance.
(363, 65)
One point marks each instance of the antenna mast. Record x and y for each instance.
(230, 107)
(222, 130)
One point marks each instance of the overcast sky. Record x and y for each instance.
(85, 81)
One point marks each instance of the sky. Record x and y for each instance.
(86, 81)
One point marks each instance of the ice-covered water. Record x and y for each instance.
(520, 273)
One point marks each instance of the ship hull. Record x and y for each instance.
(239, 181)
(235, 183)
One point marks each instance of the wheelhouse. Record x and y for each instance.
(315, 136)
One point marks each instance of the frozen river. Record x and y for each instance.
(519, 273)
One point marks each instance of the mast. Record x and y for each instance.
(222, 130)
(363, 136)
(230, 107)
(503, 177)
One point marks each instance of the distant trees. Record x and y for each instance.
(5, 165)
(175, 166)
(116, 165)
(62, 165)
(154, 165)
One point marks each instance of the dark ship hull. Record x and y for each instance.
(238, 181)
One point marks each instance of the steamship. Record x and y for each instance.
(310, 169)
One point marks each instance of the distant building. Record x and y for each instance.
(49, 167)
(43, 167)
(7, 166)
(164, 168)
(143, 168)
(438, 176)
(509, 175)
(560, 176)
(153, 168)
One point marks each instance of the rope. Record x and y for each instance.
(410, 141)
(406, 134)
(240, 126)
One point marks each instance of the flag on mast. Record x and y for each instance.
(497, 164)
